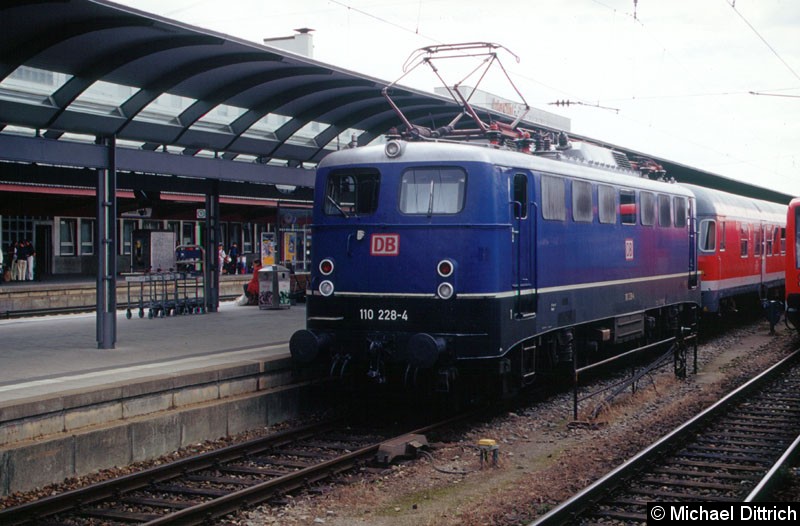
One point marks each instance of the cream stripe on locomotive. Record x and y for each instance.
(512, 293)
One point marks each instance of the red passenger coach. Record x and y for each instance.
(793, 264)
(741, 248)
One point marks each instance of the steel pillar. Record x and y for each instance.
(212, 236)
(106, 249)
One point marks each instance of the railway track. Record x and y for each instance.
(211, 485)
(731, 452)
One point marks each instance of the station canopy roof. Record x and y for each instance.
(73, 70)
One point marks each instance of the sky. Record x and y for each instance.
(712, 84)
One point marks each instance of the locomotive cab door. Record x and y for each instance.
(523, 245)
(694, 280)
(763, 232)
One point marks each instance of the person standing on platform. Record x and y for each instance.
(22, 261)
(233, 258)
(31, 255)
(221, 258)
(12, 259)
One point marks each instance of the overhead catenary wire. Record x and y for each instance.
(764, 40)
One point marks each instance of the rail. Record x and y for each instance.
(211, 485)
(614, 492)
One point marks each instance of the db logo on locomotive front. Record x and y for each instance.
(384, 245)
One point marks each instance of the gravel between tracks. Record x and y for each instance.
(544, 456)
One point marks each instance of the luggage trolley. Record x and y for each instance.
(190, 285)
(140, 281)
(159, 296)
(153, 294)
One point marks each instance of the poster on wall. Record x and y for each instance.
(267, 248)
(289, 246)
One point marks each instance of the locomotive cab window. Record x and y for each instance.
(520, 196)
(430, 190)
(352, 192)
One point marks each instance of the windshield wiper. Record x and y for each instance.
(339, 208)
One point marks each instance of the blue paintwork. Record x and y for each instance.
(478, 240)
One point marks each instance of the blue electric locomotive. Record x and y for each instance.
(446, 261)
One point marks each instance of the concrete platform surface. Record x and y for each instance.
(46, 355)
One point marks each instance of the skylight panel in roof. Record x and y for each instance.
(165, 109)
(219, 119)
(307, 133)
(102, 98)
(265, 127)
(19, 130)
(125, 143)
(31, 85)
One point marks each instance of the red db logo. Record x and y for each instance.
(384, 245)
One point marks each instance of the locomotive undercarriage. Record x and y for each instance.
(566, 349)
(436, 363)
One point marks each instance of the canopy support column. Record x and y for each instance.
(212, 236)
(106, 248)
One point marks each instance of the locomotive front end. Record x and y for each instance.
(393, 287)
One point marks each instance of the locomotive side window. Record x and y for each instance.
(352, 192)
(554, 205)
(582, 209)
(520, 196)
(607, 206)
(679, 209)
(432, 190)
(648, 201)
(664, 211)
(627, 207)
(708, 235)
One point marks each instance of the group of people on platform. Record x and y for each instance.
(20, 262)
(232, 262)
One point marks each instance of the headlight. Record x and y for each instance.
(326, 267)
(444, 268)
(393, 149)
(445, 291)
(326, 288)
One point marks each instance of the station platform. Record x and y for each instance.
(45, 355)
(68, 408)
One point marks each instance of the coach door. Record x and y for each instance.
(522, 244)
